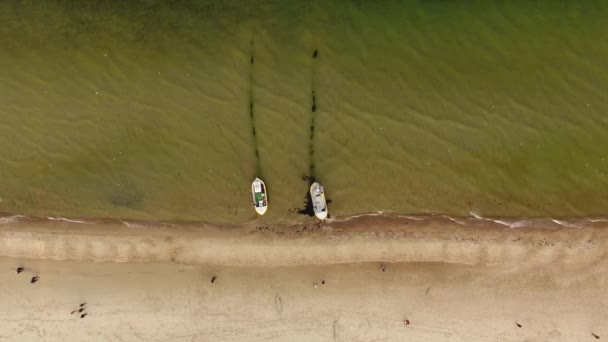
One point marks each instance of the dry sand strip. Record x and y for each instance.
(366, 239)
(356, 302)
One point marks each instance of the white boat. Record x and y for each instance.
(319, 205)
(260, 197)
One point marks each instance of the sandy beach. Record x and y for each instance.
(451, 282)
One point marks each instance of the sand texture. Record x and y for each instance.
(152, 282)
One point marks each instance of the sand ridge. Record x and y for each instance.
(362, 239)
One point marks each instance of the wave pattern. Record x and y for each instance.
(472, 221)
(419, 107)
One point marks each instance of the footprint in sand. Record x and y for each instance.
(278, 302)
(335, 332)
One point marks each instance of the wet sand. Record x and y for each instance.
(371, 238)
(451, 282)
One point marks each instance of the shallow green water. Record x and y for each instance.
(141, 110)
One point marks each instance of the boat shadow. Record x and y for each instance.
(307, 209)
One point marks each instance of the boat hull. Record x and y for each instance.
(319, 204)
(260, 196)
(261, 210)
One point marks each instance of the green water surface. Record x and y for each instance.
(141, 110)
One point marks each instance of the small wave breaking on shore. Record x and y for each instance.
(477, 220)
(474, 220)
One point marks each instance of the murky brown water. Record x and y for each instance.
(143, 111)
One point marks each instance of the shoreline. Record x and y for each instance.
(473, 219)
(357, 239)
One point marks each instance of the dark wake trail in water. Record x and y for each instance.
(258, 168)
(313, 114)
(308, 208)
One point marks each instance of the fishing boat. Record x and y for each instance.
(260, 197)
(319, 205)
